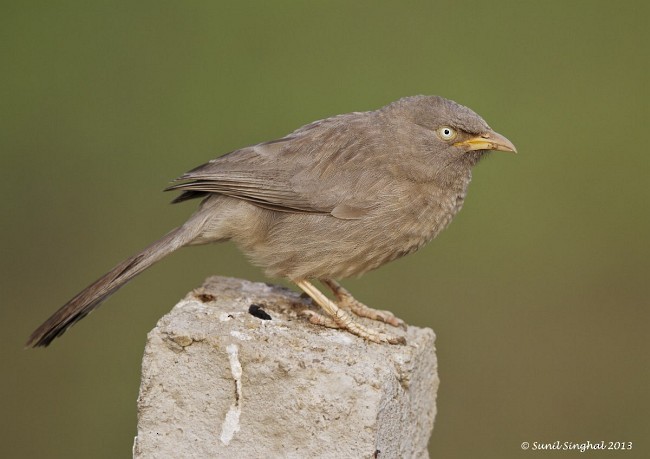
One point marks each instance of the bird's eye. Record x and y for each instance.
(446, 133)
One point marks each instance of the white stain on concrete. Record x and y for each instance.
(230, 425)
(239, 335)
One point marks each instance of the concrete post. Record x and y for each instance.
(233, 371)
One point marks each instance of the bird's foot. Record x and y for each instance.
(339, 318)
(319, 319)
(353, 327)
(347, 301)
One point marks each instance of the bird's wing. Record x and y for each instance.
(302, 172)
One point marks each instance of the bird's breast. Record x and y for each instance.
(423, 216)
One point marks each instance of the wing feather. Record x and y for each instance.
(297, 173)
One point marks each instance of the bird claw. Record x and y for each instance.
(347, 301)
(384, 338)
(338, 317)
(361, 310)
(353, 327)
(318, 319)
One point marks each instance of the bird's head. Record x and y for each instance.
(450, 131)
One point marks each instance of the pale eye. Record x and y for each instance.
(446, 133)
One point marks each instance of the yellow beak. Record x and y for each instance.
(488, 141)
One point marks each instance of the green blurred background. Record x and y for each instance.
(538, 292)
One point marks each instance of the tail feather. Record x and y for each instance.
(93, 295)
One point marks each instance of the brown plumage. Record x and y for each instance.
(335, 198)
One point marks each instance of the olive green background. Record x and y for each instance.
(538, 292)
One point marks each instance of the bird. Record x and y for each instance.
(333, 199)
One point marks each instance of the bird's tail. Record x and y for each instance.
(93, 295)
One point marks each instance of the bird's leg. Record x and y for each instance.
(346, 300)
(344, 320)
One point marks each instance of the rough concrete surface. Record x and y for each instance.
(218, 381)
